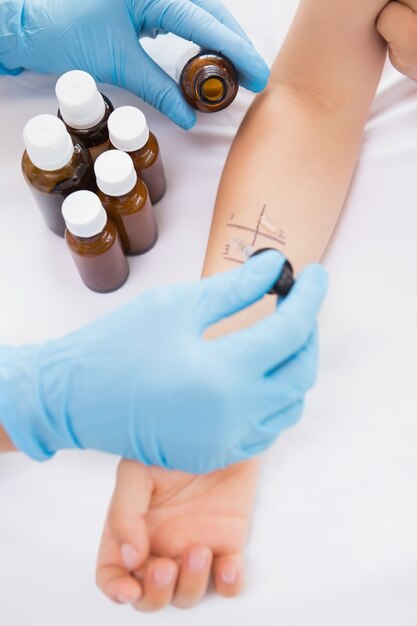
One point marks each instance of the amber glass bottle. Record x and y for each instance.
(54, 167)
(129, 132)
(209, 82)
(84, 110)
(125, 197)
(94, 243)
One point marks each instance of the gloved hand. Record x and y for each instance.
(397, 24)
(101, 37)
(143, 383)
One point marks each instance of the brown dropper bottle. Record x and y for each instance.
(94, 243)
(209, 82)
(54, 167)
(125, 197)
(84, 110)
(128, 131)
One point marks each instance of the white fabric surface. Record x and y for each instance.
(334, 529)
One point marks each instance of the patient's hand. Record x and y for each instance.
(397, 23)
(166, 532)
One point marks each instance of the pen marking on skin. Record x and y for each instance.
(252, 230)
(230, 258)
(258, 224)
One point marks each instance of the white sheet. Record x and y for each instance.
(334, 529)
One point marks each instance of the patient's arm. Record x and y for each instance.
(295, 152)
(294, 155)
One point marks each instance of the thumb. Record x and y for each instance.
(146, 79)
(397, 24)
(229, 292)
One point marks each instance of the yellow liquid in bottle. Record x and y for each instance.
(212, 90)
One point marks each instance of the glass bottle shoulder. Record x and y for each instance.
(146, 156)
(129, 203)
(96, 135)
(93, 246)
(58, 181)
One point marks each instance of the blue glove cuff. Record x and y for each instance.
(10, 14)
(4, 70)
(20, 406)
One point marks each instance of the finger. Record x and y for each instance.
(224, 294)
(129, 504)
(228, 575)
(111, 575)
(282, 388)
(412, 4)
(191, 22)
(265, 434)
(398, 26)
(271, 341)
(274, 424)
(219, 11)
(158, 585)
(194, 577)
(141, 75)
(300, 370)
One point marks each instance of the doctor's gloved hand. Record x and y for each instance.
(142, 382)
(102, 38)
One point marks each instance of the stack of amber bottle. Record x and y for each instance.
(96, 172)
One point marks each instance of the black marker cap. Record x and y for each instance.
(286, 280)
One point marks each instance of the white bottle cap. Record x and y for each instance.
(128, 129)
(115, 173)
(80, 102)
(48, 143)
(84, 214)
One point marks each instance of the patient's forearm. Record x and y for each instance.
(285, 180)
(295, 153)
(5, 443)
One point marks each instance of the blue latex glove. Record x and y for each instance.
(143, 383)
(101, 37)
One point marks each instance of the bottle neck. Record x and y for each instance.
(81, 119)
(63, 164)
(94, 129)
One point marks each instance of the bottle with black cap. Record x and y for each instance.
(285, 281)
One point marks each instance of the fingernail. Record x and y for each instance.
(197, 561)
(123, 600)
(229, 576)
(163, 577)
(130, 556)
